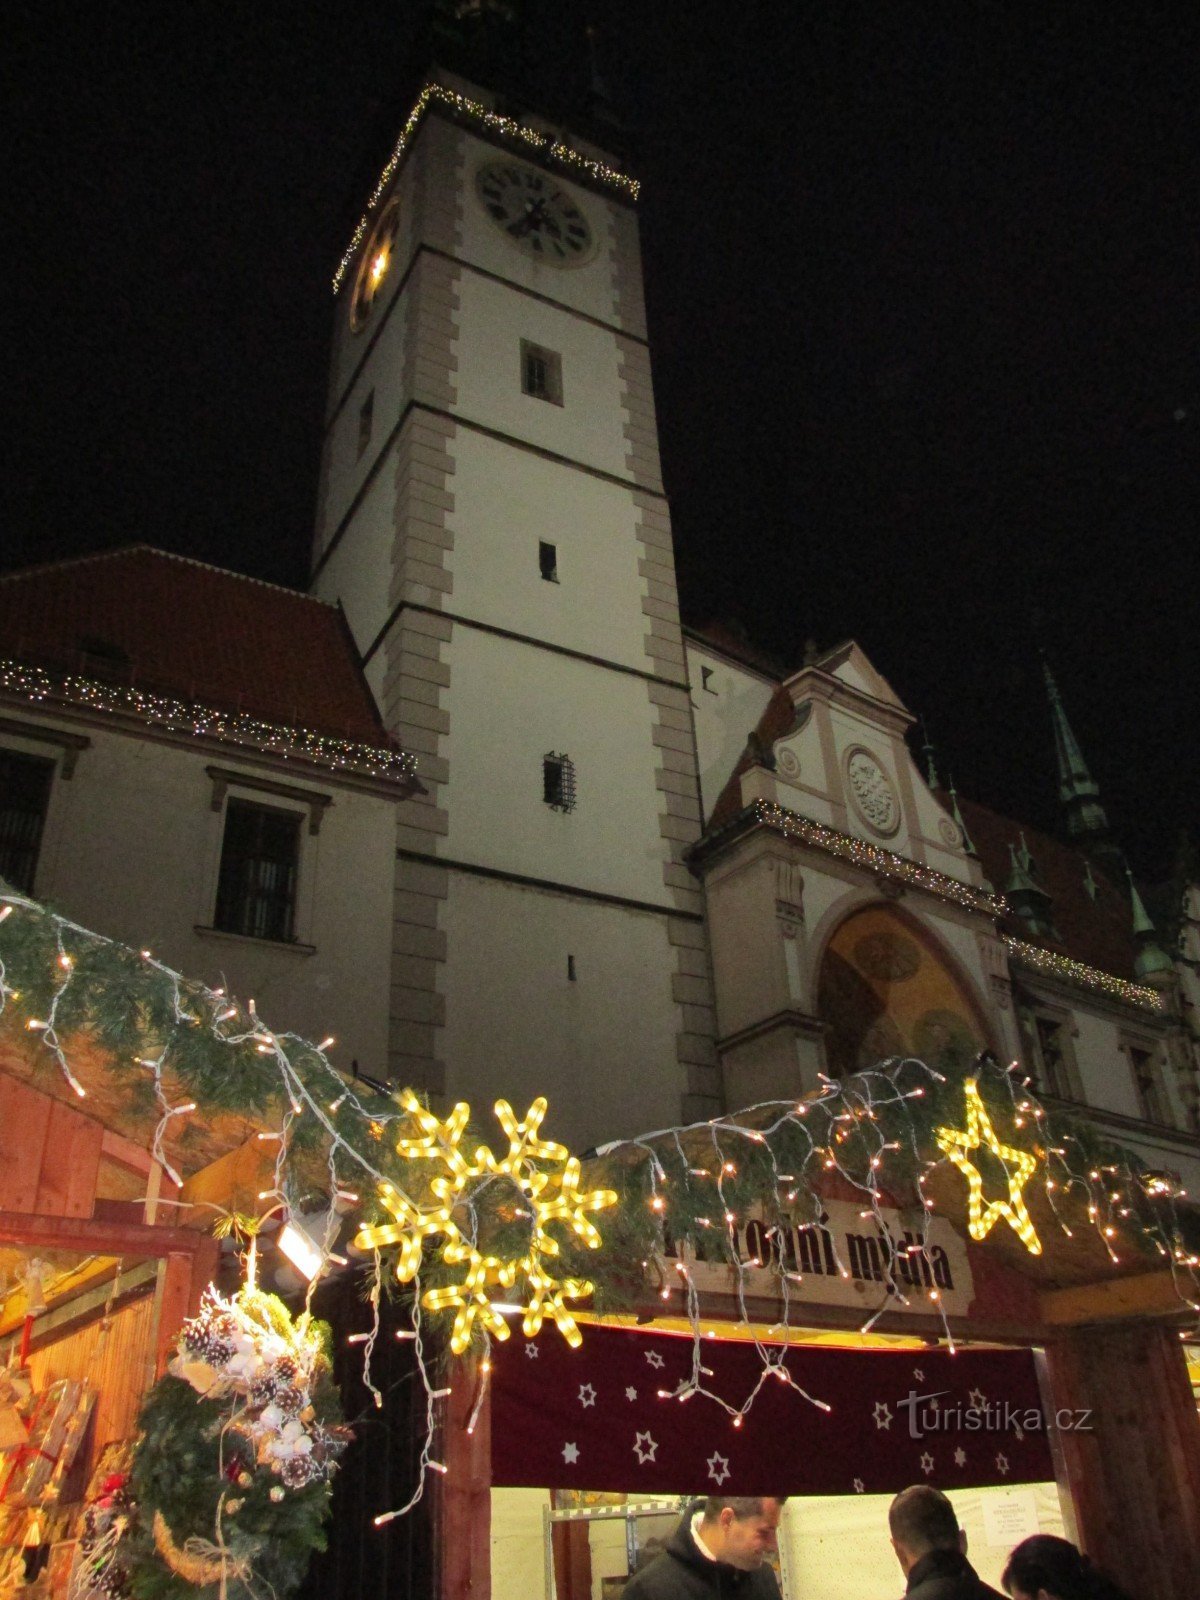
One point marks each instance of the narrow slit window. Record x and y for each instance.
(548, 561)
(366, 417)
(541, 373)
(558, 782)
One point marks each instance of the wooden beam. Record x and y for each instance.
(91, 1237)
(1149, 1294)
(123, 1152)
(465, 1490)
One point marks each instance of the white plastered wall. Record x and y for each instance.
(131, 848)
(345, 468)
(588, 426)
(600, 1046)
(725, 713)
(358, 571)
(505, 502)
(510, 704)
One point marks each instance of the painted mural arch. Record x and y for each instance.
(887, 986)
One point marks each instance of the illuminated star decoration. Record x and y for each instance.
(1019, 1166)
(550, 1196)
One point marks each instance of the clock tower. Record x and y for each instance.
(492, 520)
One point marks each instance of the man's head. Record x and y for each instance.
(921, 1519)
(741, 1532)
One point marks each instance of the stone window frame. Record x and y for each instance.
(270, 794)
(548, 385)
(1133, 1042)
(23, 739)
(1032, 1009)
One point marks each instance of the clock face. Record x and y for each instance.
(535, 212)
(375, 265)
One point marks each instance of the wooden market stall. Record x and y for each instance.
(102, 1257)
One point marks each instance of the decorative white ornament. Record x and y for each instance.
(718, 1468)
(644, 1447)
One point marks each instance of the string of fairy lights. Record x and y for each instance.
(1078, 973)
(482, 1236)
(884, 863)
(507, 129)
(39, 687)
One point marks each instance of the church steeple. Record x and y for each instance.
(1078, 792)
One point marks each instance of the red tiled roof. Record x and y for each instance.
(1098, 932)
(196, 632)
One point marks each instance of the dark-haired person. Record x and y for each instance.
(1047, 1568)
(715, 1553)
(932, 1549)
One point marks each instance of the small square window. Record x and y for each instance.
(548, 561)
(558, 782)
(541, 373)
(366, 416)
(24, 796)
(260, 859)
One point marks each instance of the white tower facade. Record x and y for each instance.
(492, 520)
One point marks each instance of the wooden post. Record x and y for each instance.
(1133, 1470)
(466, 1490)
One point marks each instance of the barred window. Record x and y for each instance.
(558, 782)
(541, 373)
(24, 796)
(260, 858)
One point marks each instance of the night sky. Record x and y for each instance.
(922, 287)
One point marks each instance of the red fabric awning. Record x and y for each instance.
(592, 1418)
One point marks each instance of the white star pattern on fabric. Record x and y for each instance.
(927, 1463)
(859, 1486)
(653, 1357)
(918, 1375)
(631, 1393)
(587, 1395)
(718, 1468)
(883, 1416)
(644, 1447)
(531, 1352)
(1002, 1464)
(960, 1457)
(978, 1399)
(571, 1454)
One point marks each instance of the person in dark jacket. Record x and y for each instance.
(718, 1552)
(1045, 1567)
(932, 1549)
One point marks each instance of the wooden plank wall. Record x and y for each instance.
(119, 1365)
(1134, 1475)
(49, 1154)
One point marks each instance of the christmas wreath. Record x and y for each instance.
(239, 1442)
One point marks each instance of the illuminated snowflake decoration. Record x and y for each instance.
(547, 1197)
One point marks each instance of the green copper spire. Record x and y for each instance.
(1027, 898)
(1151, 960)
(968, 843)
(1086, 820)
(931, 771)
